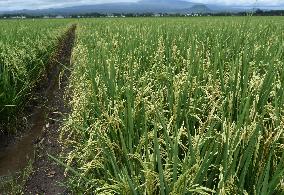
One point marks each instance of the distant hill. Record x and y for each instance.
(169, 4)
(197, 9)
(153, 6)
(142, 6)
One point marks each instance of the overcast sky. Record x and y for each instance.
(39, 4)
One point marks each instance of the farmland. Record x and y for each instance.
(173, 106)
(177, 106)
(25, 47)
(32, 54)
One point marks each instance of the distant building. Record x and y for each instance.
(18, 17)
(59, 17)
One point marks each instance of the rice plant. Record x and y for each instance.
(25, 49)
(177, 106)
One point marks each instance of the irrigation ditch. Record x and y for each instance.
(44, 117)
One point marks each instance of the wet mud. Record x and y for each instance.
(44, 117)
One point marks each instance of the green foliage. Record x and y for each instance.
(177, 106)
(25, 49)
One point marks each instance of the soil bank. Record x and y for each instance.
(44, 117)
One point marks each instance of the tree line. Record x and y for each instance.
(257, 12)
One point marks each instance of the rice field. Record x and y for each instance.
(176, 106)
(25, 49)
(159, 105)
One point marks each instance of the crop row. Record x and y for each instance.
(25, 49)
(177, 106)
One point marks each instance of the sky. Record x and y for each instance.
(7, 5)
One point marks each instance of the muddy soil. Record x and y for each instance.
(47, 175)
(44, 117)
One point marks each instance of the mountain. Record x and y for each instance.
(154, 6)
(197, 9)
(173, 4)
(142, 6)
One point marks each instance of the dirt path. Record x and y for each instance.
(47, 175)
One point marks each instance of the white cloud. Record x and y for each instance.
(243, 2)
(39, 4)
